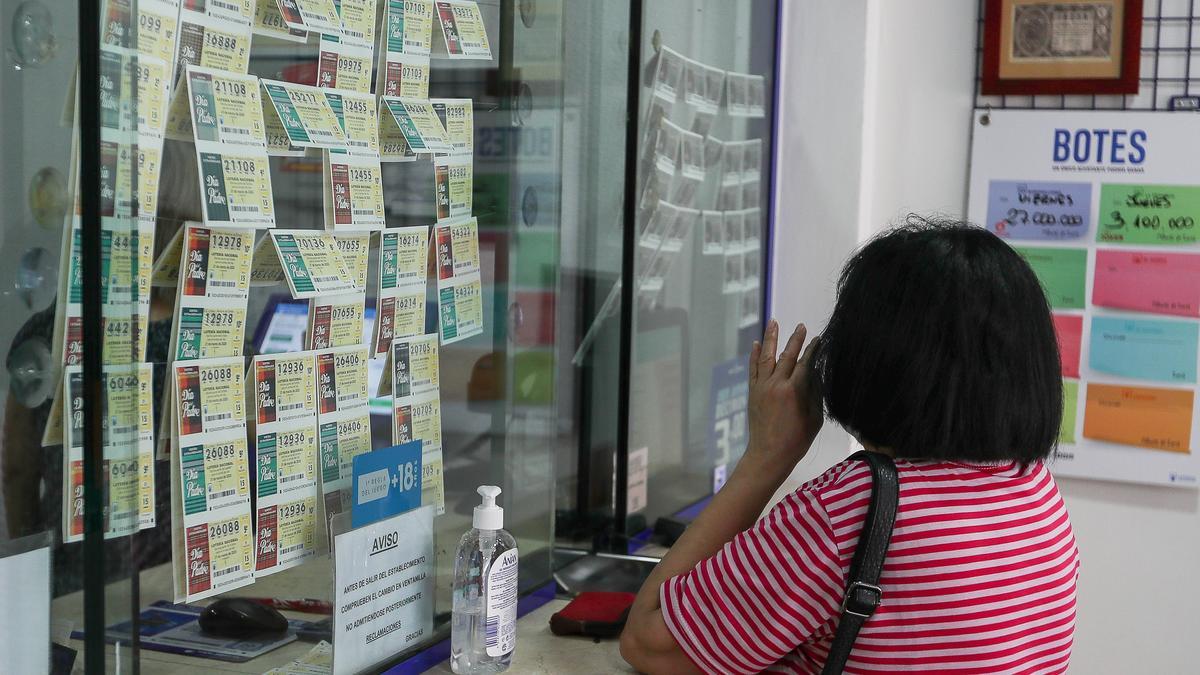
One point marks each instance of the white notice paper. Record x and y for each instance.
(383, 579)
(25, 634)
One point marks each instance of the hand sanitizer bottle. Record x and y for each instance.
(484, 624)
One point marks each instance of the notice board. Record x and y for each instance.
(1105, 207)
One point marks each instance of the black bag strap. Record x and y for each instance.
(863, 595)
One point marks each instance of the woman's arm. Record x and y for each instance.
(784, 420)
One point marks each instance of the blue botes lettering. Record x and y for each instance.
(1100, 146)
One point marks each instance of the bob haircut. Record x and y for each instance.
(941, 346)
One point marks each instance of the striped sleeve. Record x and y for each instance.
(767, 591)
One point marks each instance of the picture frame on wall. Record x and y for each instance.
(1033, 47)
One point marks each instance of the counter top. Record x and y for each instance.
(540, 652)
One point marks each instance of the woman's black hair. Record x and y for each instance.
(941, 346)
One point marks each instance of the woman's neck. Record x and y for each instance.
(881, 449)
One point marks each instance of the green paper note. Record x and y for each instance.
(1066, 431)
(1164, 215)
(1063, 273)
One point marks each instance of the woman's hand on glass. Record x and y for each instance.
(785, 414)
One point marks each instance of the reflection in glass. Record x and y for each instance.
(33, 40)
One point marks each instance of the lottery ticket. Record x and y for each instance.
(286, 459)
(460, 307)
(344, 65)
(458, 119)
(358, 22)
(157, 29)
(668, 75)
(312, 263)
(355, 249)
(460, 295)
(713, 225)
(419, 417)
(223, 110)
(358, 116)
(417, 122)
(213, 538)
(214, 287)
(336, 321)
(212, 42)
(463, 30)
(306, 115)
(405, 44)
(342, 379)
(128, 450)
(319, 16)
(268, 22)
(454, 186)
(353, 193)
(400, 312)
(416, 407)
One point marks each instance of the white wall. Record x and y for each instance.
(917, 100)
(875, 123)
(819, 144)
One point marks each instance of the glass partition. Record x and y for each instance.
(168, 164)
(147, 191)
(705, 114)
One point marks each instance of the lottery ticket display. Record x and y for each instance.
(261, 452)
(212, 528)
(343, 412)
(460, 294)
(404, 48)
(285, 443)
(400, 309)
(417, 409)
(699, 183)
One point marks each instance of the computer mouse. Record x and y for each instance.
(239, 617)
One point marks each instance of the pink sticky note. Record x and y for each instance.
(1161, 283)
(1069, 331)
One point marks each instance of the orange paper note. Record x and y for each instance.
(1147, 417)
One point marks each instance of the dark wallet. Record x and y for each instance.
(594, 614)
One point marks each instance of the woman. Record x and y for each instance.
(940, 353)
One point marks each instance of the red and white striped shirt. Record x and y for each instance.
(979, 578)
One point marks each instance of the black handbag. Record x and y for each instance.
(863, 595)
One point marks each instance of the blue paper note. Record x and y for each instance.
(387, 482)
(1039, 210)
(1146, 349)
